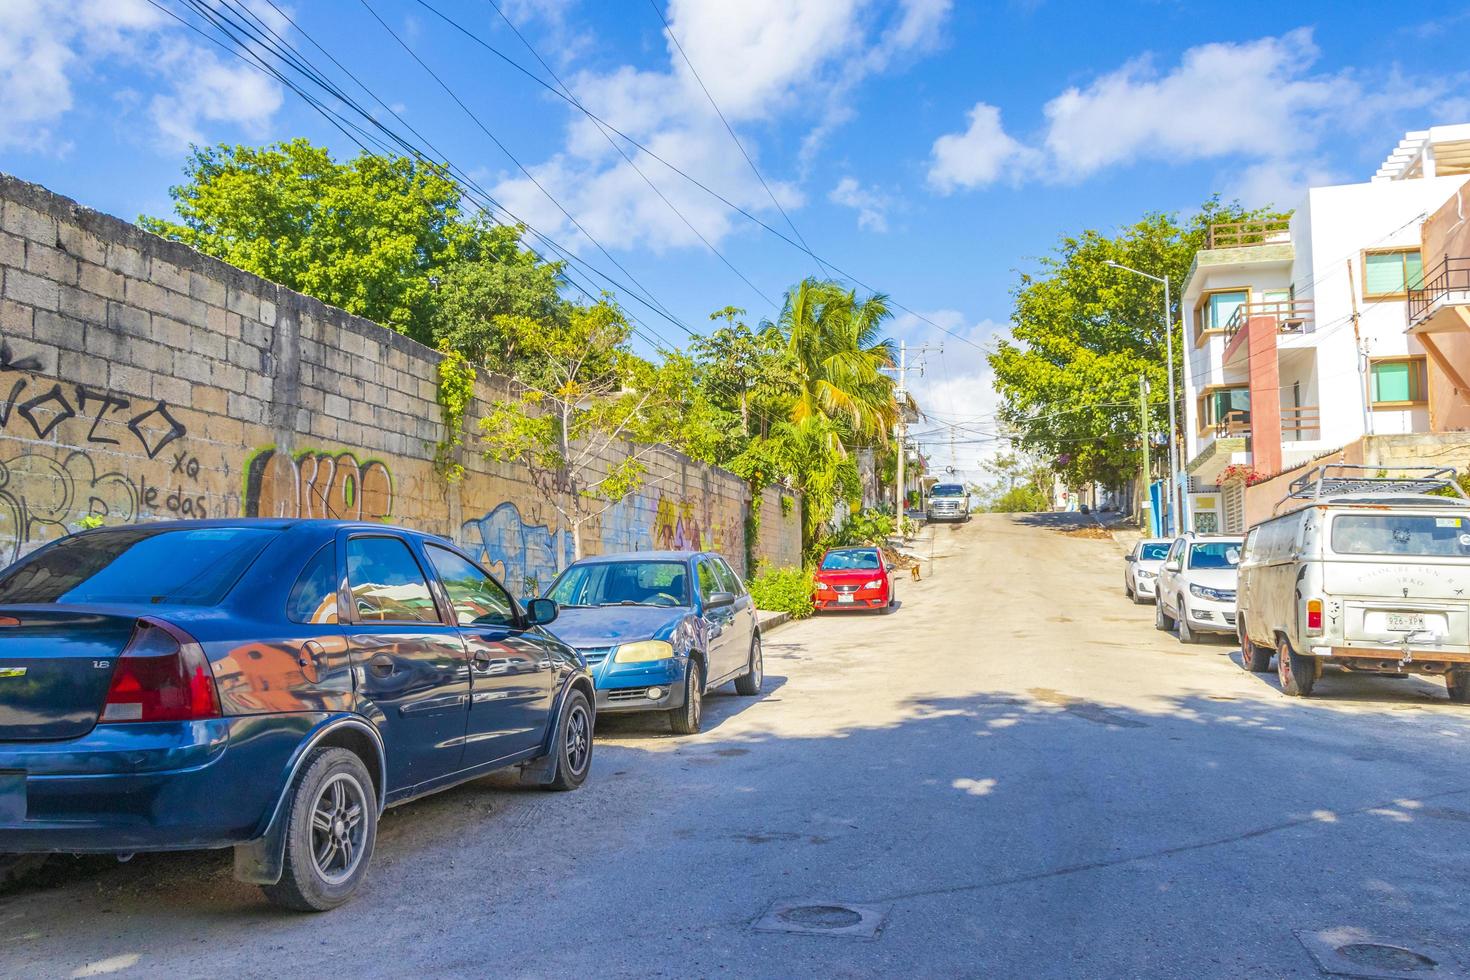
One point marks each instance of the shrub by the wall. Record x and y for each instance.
(787, 590)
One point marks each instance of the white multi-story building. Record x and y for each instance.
(1294, 330)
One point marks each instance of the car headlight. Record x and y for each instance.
(644, 651)
(1214, 595)
(1145, 574)
(877, 583)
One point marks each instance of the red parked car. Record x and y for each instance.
(854, 578)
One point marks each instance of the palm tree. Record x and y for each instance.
(836, 343)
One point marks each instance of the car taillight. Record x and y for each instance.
(162, 675)
(1314, 615)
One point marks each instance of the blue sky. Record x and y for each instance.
(931, 148)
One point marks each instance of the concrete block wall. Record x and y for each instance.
(141, 380)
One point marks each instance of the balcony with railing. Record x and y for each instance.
(1239, 234)
(1292, 316)
(1445, 283)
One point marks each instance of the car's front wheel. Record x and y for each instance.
(685, 720)
(331, 827)
(573, 743)
(1253, 657)
(1186, 635)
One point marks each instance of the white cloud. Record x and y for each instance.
(870, 204)
(979, 156)
(1261, 105)
(47, 46)
(956, 390)
(763, 61)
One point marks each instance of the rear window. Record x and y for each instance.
(137, 566)
(1153, 552)
(840, 560)
(1415, 535)
(1215, 554)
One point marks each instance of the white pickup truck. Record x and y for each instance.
(948, 502)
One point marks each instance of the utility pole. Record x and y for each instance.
(900, 427)
(1359, 355)
(1146, 504)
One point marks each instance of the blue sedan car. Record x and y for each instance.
(658, 629)
(267, 685)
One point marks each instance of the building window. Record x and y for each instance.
(1399, 381)
(1388, 274)
(1216, 308)
(1224, 406)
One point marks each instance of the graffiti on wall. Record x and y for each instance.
(317, 484)
(668, 523)
(41, 494)
(524, 556)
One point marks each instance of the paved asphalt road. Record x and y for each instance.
(1015, 768)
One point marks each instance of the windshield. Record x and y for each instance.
(1215, 554)
(1153, 552)
(623, 583)
(947, 490)
(1417, 535)
(137, 565)
(863, 559)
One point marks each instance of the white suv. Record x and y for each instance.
(1196, 586)
(1141, 568)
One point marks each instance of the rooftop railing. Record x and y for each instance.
(1238, 234)
(1450, 275)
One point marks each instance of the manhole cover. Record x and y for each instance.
(1351, 952)
(821, 916)
(823, 919)
(1386, 957)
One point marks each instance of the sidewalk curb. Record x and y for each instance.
(768, 621)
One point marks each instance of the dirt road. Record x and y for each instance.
(1015, 771)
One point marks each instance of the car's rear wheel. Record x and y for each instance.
(1297, 674)
(331, 828)
(573, 743)
(1186, 635)
(685, 720)
(1457, 683)
(1162, 620)
(1253, 657)
(750, 685)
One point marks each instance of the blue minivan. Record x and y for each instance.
(270, 686)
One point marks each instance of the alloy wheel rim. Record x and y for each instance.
(1283, 665)
(338, 828)
(695, 699)
(579, 742)
(758, 670)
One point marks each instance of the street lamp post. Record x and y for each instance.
(1178, 518)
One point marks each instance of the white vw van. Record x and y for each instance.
(1362, 571)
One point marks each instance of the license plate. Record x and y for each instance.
(844, 597)
(1404, 622)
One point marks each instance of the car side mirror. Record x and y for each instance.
(539, 612)
(719, 600)
(1129, 558)
(1172, 566)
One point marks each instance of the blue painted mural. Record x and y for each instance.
(523, 556)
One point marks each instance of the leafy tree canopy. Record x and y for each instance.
(1082, 332)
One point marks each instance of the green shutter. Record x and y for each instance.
(1391, 382)
(1383, 272)
(1414, 269)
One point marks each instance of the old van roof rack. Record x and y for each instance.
(1333, 479)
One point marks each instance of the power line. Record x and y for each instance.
(731, 130)
(693, 180)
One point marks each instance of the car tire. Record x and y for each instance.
(331, 827)
(1297, 674)
(1128, 591)
(15, 868)
(749, 685)
(686, 719)
(1253, 657)
(1457, 683)
(1162, 620)
(573, 744)
(1181, 623)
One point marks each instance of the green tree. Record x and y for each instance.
(484, 306)
(1082, 333)
(590, 394)
(368, 235)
